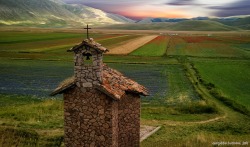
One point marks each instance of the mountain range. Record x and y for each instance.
(233, 22)
(56, 13)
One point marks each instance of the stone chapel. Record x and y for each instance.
(101, 105)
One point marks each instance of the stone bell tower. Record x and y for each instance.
(101, 105)
(88, 62)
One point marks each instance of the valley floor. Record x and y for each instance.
(198, 84)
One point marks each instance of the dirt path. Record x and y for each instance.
(130, 46)
(146, 131)
(208, 121)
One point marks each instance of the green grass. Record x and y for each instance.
(31, 113)
(177, 136)
(18, 137)
(230, 77)
(156, 47)
(22, 37)
(233, 128)
(139, 60)
(16, 100)
(30, 121)
(180, 88)
(192, 111)
(180, 104)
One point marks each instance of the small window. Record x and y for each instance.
(87, 59)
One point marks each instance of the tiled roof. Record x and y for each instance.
(114, 85)
(65, 85)
(91, 43)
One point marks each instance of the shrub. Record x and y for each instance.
(18, 137)
(231, 103)
(197, 108)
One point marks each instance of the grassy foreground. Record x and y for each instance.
(28, 121)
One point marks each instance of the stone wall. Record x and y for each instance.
(88, 75)
(90, 119)
(129, 121)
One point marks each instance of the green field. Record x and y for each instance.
(230, 77)
(199, 86)
(207, 46)
(52, 42)
(156, 47)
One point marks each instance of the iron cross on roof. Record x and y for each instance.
(87, 31)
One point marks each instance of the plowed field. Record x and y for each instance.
(128, 47)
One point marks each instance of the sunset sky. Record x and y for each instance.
(138, 9)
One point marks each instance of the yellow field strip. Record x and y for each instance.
(130, 46)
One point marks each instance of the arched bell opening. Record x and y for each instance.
(87, 59)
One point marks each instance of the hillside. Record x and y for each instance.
(243, 23)
(53, 13)
(201, 25)
(95, 16)
(155, 20)
(139, 26)
(33, 12)
(188, 25)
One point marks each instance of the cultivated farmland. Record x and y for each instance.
(130, 45)
(230, 77)
(53, 42)
(198, 83)
(156, 47)
(203, 46)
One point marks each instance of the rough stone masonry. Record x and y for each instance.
(101, 105)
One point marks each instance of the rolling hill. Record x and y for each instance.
(241, 22)
(201, 25)
(33, 12)
(198, 23)
(187, 25)
(53, 13)
(95, 16)
(138, 26)
(56, 13)
(155, 20)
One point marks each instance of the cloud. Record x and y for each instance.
(109, 2)
(237, 8)
(182, 2)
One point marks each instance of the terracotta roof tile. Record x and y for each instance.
(91, 43)
(66, 84)
(115, 85)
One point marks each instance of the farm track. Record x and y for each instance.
(209, 120)
(181, 123)
(130, 46)
(224, 110)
